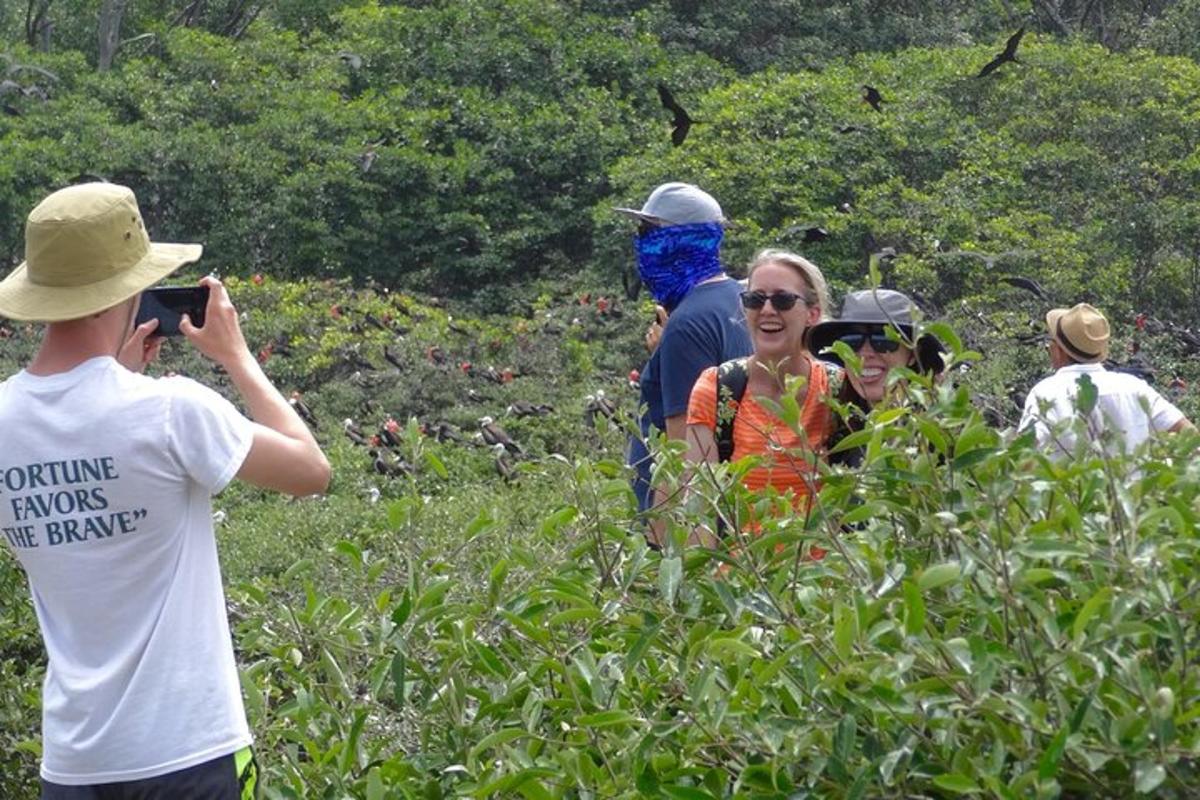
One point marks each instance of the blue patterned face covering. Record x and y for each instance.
(672, 260)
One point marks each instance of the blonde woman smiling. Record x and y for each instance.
(786, 296)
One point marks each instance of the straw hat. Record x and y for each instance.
(86, 250)
(1081, 330)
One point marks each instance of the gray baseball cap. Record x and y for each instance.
(677, 204)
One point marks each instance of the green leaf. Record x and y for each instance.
(1090, 609)
(298, 568)
(351, 551)
(495, 739)
(433, 595)
(957, 783)
(1086, 397)
(939, 575)
(845, 629)
(554, 523)
(973, 457)
(670, 573)
(374, 785)
(1081, 710)
(1148, 777)
(946, 334)
(606, 719)
(914, 609)
(436, 465)
(845, 737)
(496, 580)
(686, 793)
(887, 767)
(397, 670)
(403, 609)
(351, 757)
(255, 703)
(640, 646)
(853, 440)
(1048, 763)
(730, 646)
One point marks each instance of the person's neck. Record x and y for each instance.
(66, 345)
(720, 276)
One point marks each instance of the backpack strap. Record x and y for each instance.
(732, 378)
(835, 376)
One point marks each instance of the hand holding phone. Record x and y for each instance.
(168, 304)
(218, 333)
(654, 332)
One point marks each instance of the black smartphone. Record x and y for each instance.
(168, 304)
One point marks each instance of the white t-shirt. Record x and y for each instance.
(1127, 410)
(105, 485)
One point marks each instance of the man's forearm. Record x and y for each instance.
(264, 402)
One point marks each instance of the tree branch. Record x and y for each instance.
(1050, 10)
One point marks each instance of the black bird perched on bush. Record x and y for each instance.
(1028, 284)
(631, 284)
(598, 405)
(504, 464)
(392, 358)
(353, 432)
(443, 432)
(872, 97)
(682, 122)
(493, 435)
(810, 234)
(1008, 54)
(303, 410)
(367, 160)
(523, 409)
(390, 469)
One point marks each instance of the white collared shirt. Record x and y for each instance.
(1128, 410)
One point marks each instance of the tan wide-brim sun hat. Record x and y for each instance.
(1080, 330)
(86, 250)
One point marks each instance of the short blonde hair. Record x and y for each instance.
(809, 272)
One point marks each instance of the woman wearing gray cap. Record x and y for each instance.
(862, 327)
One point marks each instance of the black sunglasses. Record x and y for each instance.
(782, 301)
(880, 343)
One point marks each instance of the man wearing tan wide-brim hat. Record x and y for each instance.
(1127, 409)
(106, 478)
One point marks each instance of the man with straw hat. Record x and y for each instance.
(105, 484)
(1127, 409)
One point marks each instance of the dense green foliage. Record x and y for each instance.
(986, 622)
(457, 146)
(423, 191)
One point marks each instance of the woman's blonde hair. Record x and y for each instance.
(810, 273)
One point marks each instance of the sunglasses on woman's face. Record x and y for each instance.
(880, 343)
(783, 301)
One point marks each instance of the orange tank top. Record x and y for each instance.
(789, 463)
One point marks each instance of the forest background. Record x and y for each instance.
(411, 198)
